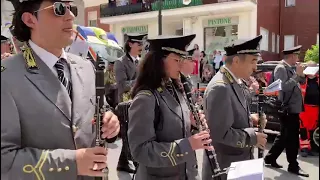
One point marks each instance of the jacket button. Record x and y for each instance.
(67, 168)
(51, 169)
(59, 169)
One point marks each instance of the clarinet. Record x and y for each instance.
(260, 121)
(212, 156)
(100, 109)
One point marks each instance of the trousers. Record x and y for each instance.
(288, 140)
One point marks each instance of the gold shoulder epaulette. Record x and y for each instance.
(3, 68)
(159, 89)
(145, 92)
(220, 82)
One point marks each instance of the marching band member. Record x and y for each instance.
(159, 129)
(126, 68)
(227, 110)
(126, 73)
(110, 84)
(47, 100)
(291, 97)
(187, 66)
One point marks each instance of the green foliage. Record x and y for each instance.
(312, 54)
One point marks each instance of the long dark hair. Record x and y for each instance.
(151, 72)
(18, 28)
(127, 47)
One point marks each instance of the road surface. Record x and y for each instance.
(309, 164)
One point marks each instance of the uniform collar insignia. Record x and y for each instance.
(29, 58)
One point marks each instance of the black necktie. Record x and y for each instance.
(61, 76)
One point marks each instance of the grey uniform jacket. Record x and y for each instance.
(126, 73)
(228, 120)
(40, 127)
(163, 153)
(291, 92)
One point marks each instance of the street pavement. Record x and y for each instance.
(309, 164)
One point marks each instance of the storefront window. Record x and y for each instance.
(216, 38)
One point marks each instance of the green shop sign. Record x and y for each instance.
(222, 21)
(135, 29)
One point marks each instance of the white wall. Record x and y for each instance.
(170, 28)
(80, 18)
(90, 3)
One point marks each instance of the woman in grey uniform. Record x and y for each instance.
(159, 129)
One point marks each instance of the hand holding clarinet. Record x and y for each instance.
(93, 161)
(204, 133)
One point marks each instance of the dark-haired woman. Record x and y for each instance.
(159, 129)
(125, 74)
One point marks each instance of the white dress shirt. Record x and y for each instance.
(134, 58)
(50, 60)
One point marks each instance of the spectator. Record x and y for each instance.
(208, 73)
(5, 55)
(112, 3)
(261, 79)
(310, 92)
(218, 61)
(203, 61)
(196, 53)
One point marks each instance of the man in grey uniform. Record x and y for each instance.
(291, 97)
(126, 73)
(126, 67)
(48, 101)
(226, 109)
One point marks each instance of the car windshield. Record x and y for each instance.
(107, 52)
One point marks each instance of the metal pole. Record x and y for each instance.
(160, 17)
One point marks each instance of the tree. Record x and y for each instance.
(312, 54)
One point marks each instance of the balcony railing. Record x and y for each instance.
(107, 11)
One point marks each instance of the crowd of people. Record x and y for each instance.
(206, 66)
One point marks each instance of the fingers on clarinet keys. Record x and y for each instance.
(91, 161)
(200, 141)
(261, 140)
(299, 69)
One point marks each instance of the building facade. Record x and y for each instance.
(216, 24)
(283, 23)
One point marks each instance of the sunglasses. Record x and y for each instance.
(60, 9)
